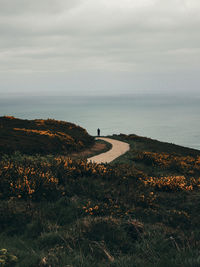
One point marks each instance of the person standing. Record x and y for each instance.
(98, 132)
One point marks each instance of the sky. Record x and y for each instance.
(91, 47)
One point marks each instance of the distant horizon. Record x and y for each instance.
(169, 118)
(103, 94)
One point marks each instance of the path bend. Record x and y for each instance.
(118, 148)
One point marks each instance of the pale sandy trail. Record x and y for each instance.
(118, 149)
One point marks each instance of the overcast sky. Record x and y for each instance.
(99, 46)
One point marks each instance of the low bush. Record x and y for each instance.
(55, 211)
(42, 136)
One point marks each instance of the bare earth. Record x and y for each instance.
(86, 153)
(118, 148)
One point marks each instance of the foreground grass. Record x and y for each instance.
(63, 212)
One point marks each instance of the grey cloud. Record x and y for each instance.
(99, 35)
(21, 7)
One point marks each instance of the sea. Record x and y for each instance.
(169, 118)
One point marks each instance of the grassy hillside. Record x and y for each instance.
(41, 136)
(139, 211)
(159, 159)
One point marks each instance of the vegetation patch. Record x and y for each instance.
(42, 136)
(58, 211)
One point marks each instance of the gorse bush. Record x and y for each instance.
(42, 136)
(187, 165)
(55, 211)
(172, 183)
(7, 259)
(36, 179)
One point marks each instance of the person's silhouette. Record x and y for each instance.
(98, 132)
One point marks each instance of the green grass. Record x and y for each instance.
(42, 136)
(141, 145)
(99, 215)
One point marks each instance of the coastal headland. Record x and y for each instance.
(57, 208)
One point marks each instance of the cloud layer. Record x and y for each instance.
(128, 38)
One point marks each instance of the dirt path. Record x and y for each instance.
(118, 149)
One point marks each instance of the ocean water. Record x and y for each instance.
(174, 119)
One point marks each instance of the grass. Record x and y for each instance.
(157, 158)
(64, 212)
(42, 136)
(99, 147)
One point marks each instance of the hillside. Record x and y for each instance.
(156, 158)
(141, 210)
(42, 136)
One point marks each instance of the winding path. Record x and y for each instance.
(118, 148)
